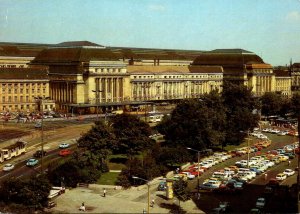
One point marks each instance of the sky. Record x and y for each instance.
(269, 28)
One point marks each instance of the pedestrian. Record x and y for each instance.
(152, 203)
(289, 163)
(198, 195)
(266, 176)
(104, 192)
(82, 207)
(144, 211)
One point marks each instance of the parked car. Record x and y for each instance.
(39, 153)
(65, 152)
(64, 145)
(281, 177)
(289, 172)
(8, 167)
(38, 125)
(51, 204)
(32, 162)
(260, 203)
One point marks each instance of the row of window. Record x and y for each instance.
(108, 70)
(23, 107)
(22, 84)
(16, 99)
(177, 77)
(21, 90)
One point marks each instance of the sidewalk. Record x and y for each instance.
(133, 200)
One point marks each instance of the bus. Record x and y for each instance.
(13, 150)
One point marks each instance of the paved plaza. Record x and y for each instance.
(133, 200)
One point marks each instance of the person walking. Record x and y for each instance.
(152, 203)
(289, 163)
(104, 192)
(266, 176)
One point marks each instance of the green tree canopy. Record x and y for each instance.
(197, 123)
(295, 105)
(131, 133)
(240, 105)
(271, 103)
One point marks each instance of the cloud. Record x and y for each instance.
(156, 7)
(293, 16)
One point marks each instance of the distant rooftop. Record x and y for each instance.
(79, 44)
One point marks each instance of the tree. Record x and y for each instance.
(197, 123)
(145, 168)
(240, 104)
(31, 193)
(295, 105)
(271, 103)
(181, 191)
(131, 133)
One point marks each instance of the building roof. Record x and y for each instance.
(149, 69)
(74, 55)
(173, 69)
(151, 54)
(281, 73)
(78, 44)
(227, 59)
(296, 65)
(15, 51)
(24, 73)
(235, 50)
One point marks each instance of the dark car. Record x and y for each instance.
(39, 154)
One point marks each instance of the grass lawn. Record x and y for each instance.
(108, 178)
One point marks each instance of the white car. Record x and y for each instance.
(289, 172)
(260, 203)
(64, 145)
(281, 177)
(8, 167)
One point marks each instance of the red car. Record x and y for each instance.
(65, 152)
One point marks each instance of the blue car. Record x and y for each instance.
(32, 162)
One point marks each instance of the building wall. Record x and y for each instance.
(261, 80)
(19, 95)
(283, 85)
(172, 86)
(14, 62)
(295, 75)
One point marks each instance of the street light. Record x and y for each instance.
(97, 100)
(41, 103)
(148, 185)
(198, 168)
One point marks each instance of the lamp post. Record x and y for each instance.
(198, 168)
(41, 103)
(97, 101)
(148, 186)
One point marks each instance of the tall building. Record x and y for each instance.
(241, 67)
(295, 74)
(84, 76)
(20, 87)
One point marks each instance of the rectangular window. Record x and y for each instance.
(33, 91)
(27, 98)
(16, 91)
(21, 98)
(27, 91)
(3, 99)
(21, 90)
(9, 99)
(16, 99)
